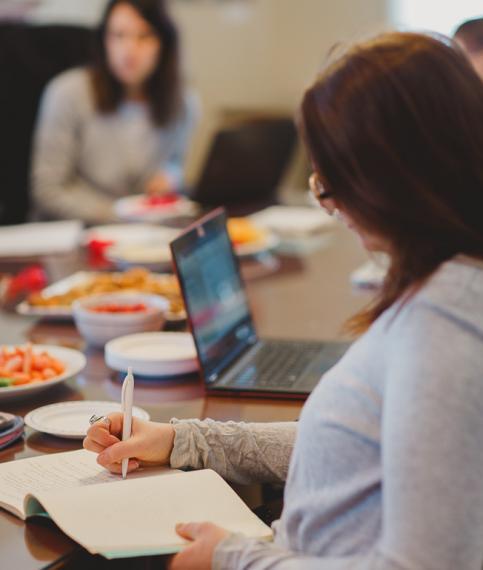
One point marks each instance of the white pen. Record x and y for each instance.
(127, 395)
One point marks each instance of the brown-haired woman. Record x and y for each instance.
(386, 469)
(118, 127)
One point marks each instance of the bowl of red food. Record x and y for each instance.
(101, 318)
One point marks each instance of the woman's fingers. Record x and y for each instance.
(115, 421)
(116, 467)
(93, 446)
(119, 451)
(100, 434)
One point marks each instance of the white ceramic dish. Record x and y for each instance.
(129, 234)
(74, 362)
(269, 242)
(292, 222)
(99, 328)
(71, 419)
(153, 354)
(135, 209)
(152, 256)
(59, 312)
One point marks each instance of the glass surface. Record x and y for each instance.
(215, 299)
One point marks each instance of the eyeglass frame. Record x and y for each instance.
(317, 188)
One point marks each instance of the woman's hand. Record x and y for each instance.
(159, 184)
(205, 538)
(150, 444)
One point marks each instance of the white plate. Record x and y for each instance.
(371, 274)
(151, 256)
(134, 208)
(74, 362)
(153, 354)
(268, 243)
(294, 221)
(130, 234)
(71, 419)
(60, 312)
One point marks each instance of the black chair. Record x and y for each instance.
(29, 57)
(246, 163)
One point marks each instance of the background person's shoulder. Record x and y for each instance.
(73, 84)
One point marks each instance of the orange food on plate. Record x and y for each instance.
(22, 365)
(135, 280)
(242, 230)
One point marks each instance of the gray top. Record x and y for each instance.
(387, 468)
(83, 161)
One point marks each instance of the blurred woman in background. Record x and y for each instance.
(118, 127)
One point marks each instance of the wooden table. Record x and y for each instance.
(307, 297)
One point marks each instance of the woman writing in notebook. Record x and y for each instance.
(384, 468)
(119, 126)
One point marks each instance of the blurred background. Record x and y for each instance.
(246, 57)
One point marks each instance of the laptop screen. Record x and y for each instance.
(213, 292)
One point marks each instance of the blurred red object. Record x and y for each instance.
(162, 199)
(32, 278)
(96, 249)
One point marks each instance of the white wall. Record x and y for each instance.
(64, 11)
(262, 56)
(438, 15)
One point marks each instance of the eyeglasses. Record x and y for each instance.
(317, 188)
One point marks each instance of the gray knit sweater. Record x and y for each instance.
(83, 161)
(386, 471)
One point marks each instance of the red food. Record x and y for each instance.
(117, 308)
(161, 199)
(98, 246)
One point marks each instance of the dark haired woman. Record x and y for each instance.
(386, 470)
(118, 127)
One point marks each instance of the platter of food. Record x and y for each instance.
(26, 370)
(56, 300)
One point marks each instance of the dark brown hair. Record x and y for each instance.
(163, 88)
(394, 129)
(470, 33)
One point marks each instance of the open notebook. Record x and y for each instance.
(121, 518)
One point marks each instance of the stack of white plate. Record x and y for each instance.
(153, 354)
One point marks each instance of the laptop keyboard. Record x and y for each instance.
(279, 365)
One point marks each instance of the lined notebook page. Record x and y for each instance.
(56, 471)
(138, 516)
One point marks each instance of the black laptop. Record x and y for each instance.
(231, 355)
(246, 162)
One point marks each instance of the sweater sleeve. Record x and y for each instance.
(58, 191)
(432, 460)
(239, 452)
(172, 165)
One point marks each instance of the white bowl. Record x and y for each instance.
(99, 328)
